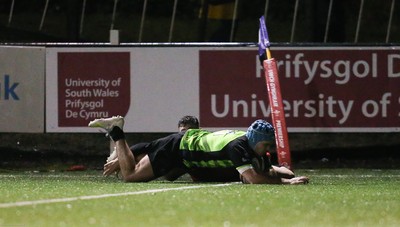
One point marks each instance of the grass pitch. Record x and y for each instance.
(334, 197)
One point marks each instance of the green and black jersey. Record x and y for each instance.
(207, 156)
(221, 149)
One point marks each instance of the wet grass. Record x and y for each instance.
(334, 197)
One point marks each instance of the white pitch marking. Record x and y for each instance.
(90, 197)
(357, 176)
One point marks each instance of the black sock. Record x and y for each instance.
(116, 133)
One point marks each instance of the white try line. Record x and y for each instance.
(90, 197)
(355, 176)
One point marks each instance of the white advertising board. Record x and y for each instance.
(151, 87)
(324, 89)
(22, 89)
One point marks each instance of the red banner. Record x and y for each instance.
(323, 89)
(92, 85)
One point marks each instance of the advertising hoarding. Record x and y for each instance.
(324, 89)
(22, 89)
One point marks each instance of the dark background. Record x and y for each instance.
(63, 19)
(62, 23)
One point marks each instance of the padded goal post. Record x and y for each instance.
(275, 97)
(277, 112)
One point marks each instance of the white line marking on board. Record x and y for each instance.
(90, 197)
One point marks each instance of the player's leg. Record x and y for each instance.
(113, 152)
(130, 169)
(112, 165)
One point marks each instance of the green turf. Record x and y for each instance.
(341, 197)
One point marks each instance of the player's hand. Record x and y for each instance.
(111, 167)
(299, 180)
(296, 180)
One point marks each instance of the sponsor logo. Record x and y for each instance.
(8, 89)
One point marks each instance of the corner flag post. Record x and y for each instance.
(275, 97)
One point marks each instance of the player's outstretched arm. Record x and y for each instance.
(296, 180)
(281, 172)
(250, 176)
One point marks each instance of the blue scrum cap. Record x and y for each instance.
(259, 131)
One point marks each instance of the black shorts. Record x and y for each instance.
(214, 174)
(163, 153)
